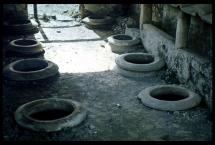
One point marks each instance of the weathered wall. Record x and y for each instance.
(15, 11)
(135, 12)
(200, 37)
(200, 32)
(157, 14)
(104, 9)
(169, 19)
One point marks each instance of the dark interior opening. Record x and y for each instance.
(169, 95)
(25, 42)
(122, 37)
(96, 17)
(30, 65)
(139, 59)
(50, 114)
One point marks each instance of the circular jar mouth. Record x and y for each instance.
(122, 37)
(49, 111)
(50, 115)
(169, 94)
(25, 42)
(18, 22)
(139, 59)
(30, 65)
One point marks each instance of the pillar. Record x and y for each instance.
(81, 10)
(183, 23)
(145, 14)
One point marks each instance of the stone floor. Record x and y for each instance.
(114, 112)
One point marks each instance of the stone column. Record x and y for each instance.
(145, 14)
(183, 23)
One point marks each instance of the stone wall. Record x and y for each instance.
(135, 12)
(15, 11)
(200, 37)
(200, 32)
(169, 19)
(157, 14)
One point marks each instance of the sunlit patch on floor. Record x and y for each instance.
(80, 57)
